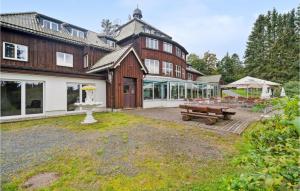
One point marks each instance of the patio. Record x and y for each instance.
(237, 124)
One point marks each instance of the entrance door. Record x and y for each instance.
(129, 89)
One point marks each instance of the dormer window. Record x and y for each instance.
(147, 30)
(50, 25)
(77, 33)
(110, 43)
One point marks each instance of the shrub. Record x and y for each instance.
(292, 88)
(271, 160)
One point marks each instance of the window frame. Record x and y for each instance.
(64, 60)
(178, 52)
(178, 71)
(16, 52)
(152, 43)
(168, 47)
(51, 23)
(167, 69)
(190, 76)
(76, 33)
(23, 98)
(86, 61)
(152, 65)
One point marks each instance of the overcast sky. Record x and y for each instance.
(218, 26)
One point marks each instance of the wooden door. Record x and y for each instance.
(129, 92)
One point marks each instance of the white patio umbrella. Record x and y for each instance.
(265, 94)
(282, 93)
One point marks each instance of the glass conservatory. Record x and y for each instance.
(170, 92)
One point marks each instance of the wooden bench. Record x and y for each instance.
(209, 120)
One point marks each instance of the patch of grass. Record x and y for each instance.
(100, 151)
(105, 121)
(251, 92)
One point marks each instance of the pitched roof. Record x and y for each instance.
(133, 27)
(30, 22)
(190, 69)
(114, 58)
(209, 79)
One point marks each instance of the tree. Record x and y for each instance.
(230, 67)
(206, 65)
(272, 51)
(107, 26)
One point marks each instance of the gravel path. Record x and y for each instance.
(29, 146)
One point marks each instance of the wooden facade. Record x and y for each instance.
(129, 68)
(42, 53)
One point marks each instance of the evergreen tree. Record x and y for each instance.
(273, 48)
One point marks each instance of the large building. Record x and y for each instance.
(45, 63)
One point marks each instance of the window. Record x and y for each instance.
(34, 97)
(148, 91)
(147, 30)
(181, 90)
(75, 94)
(183, 56)
(168, 47)
(77, 33)
(167, 69)
(178, 71)
(190, 76)
(12, 103)
(10, 98)
(50, 25)
(178, 52)
(151, 43)
(152, 66)
(15, 51)
(86, 61)
(183, 73)
(174, 90)
(111, 43)
(157, 90)
(64, 59)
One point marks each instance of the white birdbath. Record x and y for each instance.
(89, 105)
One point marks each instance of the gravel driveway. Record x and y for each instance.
(29, 146)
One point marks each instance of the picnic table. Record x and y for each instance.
(209, 113)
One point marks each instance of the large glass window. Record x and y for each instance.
(174, 90)
(148, 91)
(164, 90)
(34, 97)
(10, 98)
(73, 96)
(157, 90)
(168, 47)
(152, 66)
(64, 59)
(167, 69)
(181, 91)
(15, 51)
(151, 43)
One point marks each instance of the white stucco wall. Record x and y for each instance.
(55, 90)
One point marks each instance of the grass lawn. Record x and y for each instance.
(251, 92)
(132, 153)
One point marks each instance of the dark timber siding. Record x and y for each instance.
(129, 68)
(42, 52)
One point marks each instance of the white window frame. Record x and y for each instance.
(51, 24)
(152, 66)
(178, 71)
(152, 43)
(16, 52)
(183, 73)
(167, 47)
(77, 33)
(167, 68)
(86, 61)
(80, 95)
(183, 55)
(178, 52)
(23, 98)
(64, 63)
